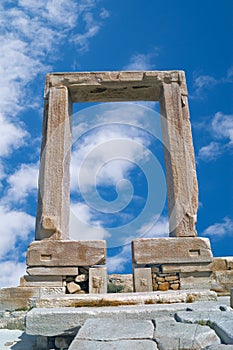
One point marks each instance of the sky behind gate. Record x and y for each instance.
(44, 36)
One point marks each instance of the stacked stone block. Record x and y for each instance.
(76, 267)
(167, 259)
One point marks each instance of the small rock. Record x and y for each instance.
(81, 278)
(160, 279)
(175, 286)
(163, 286)
(73, 287)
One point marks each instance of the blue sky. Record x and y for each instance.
(93, 35)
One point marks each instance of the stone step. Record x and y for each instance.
(68, 320)
(110, 334)
(118, 299)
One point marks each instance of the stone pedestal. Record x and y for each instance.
(175, 262)
(65, 263)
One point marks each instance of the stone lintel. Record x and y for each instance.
(98, 280)
(55, 253)
(53, 271)
(171, 250)
(142, 279)
(115, 86)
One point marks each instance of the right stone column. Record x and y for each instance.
(179, 159)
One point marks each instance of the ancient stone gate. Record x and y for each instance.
(52, 256)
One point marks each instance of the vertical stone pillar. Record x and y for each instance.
(179, 159)
(52, 219)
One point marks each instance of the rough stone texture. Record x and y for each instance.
(116, 299)
(63, 320)
(52, 219)
(221, 322)
(193, 267)
(142, 280)
(98, 280)
(53, 271)
(171, 335)
(163, 286)
(222, 281)
(78, 344)
(17, 298)
(219, 347)
(194, 280)
(25, 297)
(123, 280)
(73, 287)
(105, 329)
(16, 339)
(179, 160)
(231, 298)
(81, 278)
(41, 281)
(171, 250)
(13, 320)
(66, 253)
(116, 86)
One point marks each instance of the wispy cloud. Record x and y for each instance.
(221, 130)
(10, 273)
(32, 34)
(22, 183)
(141, 61)
(220, 228)
(16, 225)
(204, 82)
(83, 225)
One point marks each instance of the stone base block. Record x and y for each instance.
(98, 280)
(24, 297)
(171, 250)
(195, 280)
(53, 271)
(142, 279)
(64, 253)
(41, 281)
(222, 282)
(174, 268)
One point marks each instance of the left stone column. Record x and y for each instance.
(52, 219)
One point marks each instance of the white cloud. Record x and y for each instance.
(23, 183)
(11, 272)
(12, 137)
(220, 228)
(140, 62)
(205, 82)
(106, 156)
(117, 263)
(15, 225)
(83, 226)
(210, 152)
(156, 227)
(221, 128)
